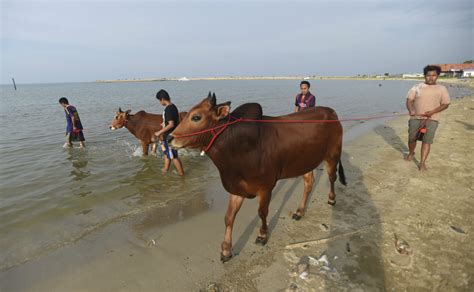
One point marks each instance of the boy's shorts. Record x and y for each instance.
(170, 153)
(75, 137)
(415, 124)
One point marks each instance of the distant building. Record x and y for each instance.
(454, 70)
(183, 79)
(468, 72)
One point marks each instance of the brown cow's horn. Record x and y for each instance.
(209, 95)
(213, 99)
(120, 110)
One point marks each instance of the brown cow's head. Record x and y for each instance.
(202, 116)
(120, 119)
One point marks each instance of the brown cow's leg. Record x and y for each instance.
(144, 147)
(235, 202)
(332, 167)
(264, 202)
(308, 187)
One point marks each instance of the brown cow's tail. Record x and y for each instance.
(342, 176)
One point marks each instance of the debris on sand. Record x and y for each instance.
(457, 229)
(211, 287)
(401, 245)
(302, 267)
(321, 263)
(293, 287)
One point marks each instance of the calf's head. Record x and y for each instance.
(120, 119)
(203, 116)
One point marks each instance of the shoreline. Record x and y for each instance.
(466, 81)
(385, 196)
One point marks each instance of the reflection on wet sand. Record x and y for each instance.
(171, 200)
(357, 257)
(78, 159)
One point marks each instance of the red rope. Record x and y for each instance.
(238, 120)
(242, 120)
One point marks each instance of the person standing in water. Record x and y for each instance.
(73, 124)
(170, 122)
(305, 99)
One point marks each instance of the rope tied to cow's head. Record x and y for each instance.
(233, 120)
(212, 131)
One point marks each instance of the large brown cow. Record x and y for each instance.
(142, 125)
(251, 156)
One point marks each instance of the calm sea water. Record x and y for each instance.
(51, 196)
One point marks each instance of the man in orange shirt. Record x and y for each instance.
(424, 102)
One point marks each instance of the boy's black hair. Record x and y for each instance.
(305, 82)
(162, 94)
(432, 68)
(63, 100)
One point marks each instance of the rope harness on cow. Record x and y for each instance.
(233, 120)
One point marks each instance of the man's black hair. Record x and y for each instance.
(432, 68)
(305, 82)
(63, 100)
(162, 94)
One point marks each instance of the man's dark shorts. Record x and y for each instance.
(415, 124)
(169, 152)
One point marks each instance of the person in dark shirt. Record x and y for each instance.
(305, 99)
(73, 124)
(170, 122)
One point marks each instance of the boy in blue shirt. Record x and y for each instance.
(73, 124)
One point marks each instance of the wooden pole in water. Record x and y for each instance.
(14, 85)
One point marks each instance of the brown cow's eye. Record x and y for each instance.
(116, 117)
(196, 118)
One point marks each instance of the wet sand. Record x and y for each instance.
(179, 250)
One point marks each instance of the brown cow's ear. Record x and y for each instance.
(127, 113)
(223, 110)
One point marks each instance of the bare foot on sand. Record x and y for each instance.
(422, 167)
(410, 156)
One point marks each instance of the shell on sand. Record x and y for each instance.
(401, 245)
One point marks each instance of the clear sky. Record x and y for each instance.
(73, 41)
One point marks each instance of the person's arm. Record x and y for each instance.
(410, 103)
(444, 103)
(436, 110)
(312, 101)
(165, 129)
(410, 107)
(297, 106)
(73, 120)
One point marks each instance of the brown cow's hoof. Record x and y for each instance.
(332, 202)
(296, 216)
(261, 240)
(225, 258)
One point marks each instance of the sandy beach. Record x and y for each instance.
(348, 247)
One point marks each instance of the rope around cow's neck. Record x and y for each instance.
(243, 120)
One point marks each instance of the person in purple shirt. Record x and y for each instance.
(73, 124)
(305, 99)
